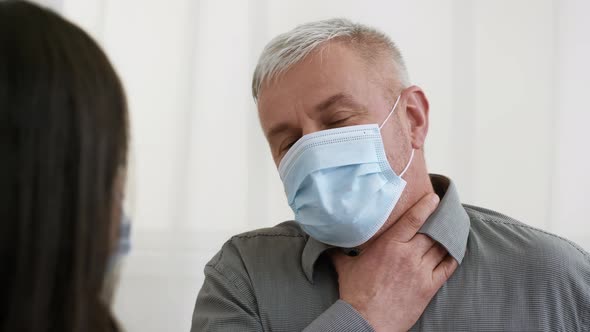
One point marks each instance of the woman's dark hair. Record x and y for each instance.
(63, 142)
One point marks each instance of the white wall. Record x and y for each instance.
(507, 82)
(571, 139)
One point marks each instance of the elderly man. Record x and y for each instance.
(377, 243)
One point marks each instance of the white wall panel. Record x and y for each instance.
(514, 103)
(571, 143)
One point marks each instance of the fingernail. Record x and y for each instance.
(434, 198)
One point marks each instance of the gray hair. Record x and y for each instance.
(289, 48)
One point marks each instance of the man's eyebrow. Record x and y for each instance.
(276, 130)
(340, 99)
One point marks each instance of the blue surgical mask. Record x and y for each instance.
(112, 273)
(123, 243)
(340, 185)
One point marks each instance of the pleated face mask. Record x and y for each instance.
(340, 185)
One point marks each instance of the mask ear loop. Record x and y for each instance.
(383, 124)
(408, 165)
(390, 112)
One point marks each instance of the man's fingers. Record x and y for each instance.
(444, 270)
(409, 224)
(434, 255)
(421, 243)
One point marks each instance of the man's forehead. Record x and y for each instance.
(331, 59)
(333, 68)
(319, 76)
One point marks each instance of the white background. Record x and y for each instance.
(508, 83)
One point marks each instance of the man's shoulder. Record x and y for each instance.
(528, 264)
(287, 229)
(504, 235)
(284, 239)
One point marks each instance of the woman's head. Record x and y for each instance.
(63, 147)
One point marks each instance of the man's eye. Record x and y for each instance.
(340, 122)
(286, 146)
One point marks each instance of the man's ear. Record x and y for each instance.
(417, 114)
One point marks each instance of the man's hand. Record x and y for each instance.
(391, 282)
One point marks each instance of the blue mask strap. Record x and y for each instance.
(390, 112)
(383, 124)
